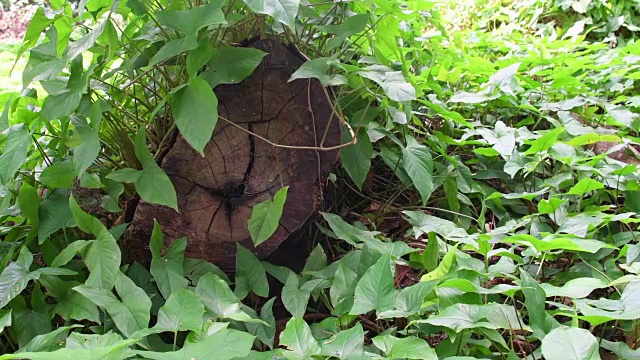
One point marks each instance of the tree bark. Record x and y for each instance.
(216, 193)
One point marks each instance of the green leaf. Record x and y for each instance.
(405, 348)
(114, 350)
(550, 206)
(592, 138)
(350, 26)
(168, 271)
(294, 298)
(219, 300)
(391, 82)
(129, 315)
(444, 267)
(29, 203)
(83, 44)
(174, 48)
(298, 339)
(346, 344)
(88, 150)
(191, 20)
(67, 101)
(59, 175)
(75, 306)
(54, 214)
(316, 261)
(431, 253)
(40, 20)
(544, 142)
(102, 256)
(409, 300)
(47, 342)
(195, 109)
(225, 344)
(231, 65)
(553, 242)
(584, 186)
(466, 97)
(5, 319)
(459, 317)
(15, 152)
(342, 289)
(621, 350)
(4, 117)
(419, 165)
(569, 343)
(15, 277)
(283, 11)
(90, 180)
(356, 159)
(265, 217)
(319, 68)
(68, 253)
(535, 301)
(347, 232)
(375, 290)
(250, 274)
(575, 288)
(153, 184)
(199, 56)
(182, 311)
(425, 224)
(266, 329)
(125, 175)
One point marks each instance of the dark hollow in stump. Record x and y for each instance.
(216, 193)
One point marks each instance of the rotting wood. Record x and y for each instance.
(216, 192)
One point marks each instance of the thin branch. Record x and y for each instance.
(318, 148)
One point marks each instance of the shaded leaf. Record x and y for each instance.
(250, 274)
(231, 65)
(375, 290)
(195, 109)
(265, 217)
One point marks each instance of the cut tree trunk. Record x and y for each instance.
(216, 193)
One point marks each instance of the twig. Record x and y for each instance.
(135, 79)
(294, 147)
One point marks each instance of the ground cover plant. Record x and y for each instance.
(487, 210)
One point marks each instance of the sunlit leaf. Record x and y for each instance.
(182, 311)
(283, 11)
(14, 152)
(568, 343)
(298, 339)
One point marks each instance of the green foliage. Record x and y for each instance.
(495, 172)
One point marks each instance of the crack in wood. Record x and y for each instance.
(216, 193)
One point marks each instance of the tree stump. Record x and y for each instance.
(216, 193)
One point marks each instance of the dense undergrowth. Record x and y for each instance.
(487, 211)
